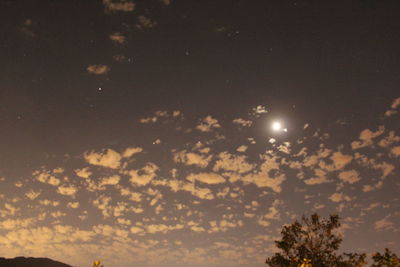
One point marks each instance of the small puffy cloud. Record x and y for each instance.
(156, 228)
(207, 178)
(350, 177)
(98, 69)
(233, 163)
(145, 22)
(108, 158)
(112, 6)
(46, 177)
(369, 188)
(242, 122)
(384, 224)
(73, 205)
(395, 151)
(273, 212)
(111, 180)
(242, 148)
(340, 160)
(118, 38)
(67, 190)
(262, 178)
(136, 230)
(396, 103)
(47, 202)
(144, 175)
(130, 151)
(190, 158)
(390, 139)
(207, 124)
(394, 106)
(339, 197)
(32, 194)
(83, 173)
(260, 110)
(11, 224)
(319, 179)
(366, 138)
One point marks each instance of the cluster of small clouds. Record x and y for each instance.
(134, 197)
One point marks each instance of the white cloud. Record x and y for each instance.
(118, 38)
(207, 124)
(108, 158)
(190, 158)
(339, 197)
(130, 151)
(98, 69)
(234, 163)
(366, 138)
(395, 151)
(350, 177)
(207, 178)
(384, 224)
(32, 194)
(112, 6)
(144, 175)
(83, 173)
(242, 122)
(67, 190)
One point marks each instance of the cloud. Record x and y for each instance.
(242, 149)
(107, 158)
(207, 124)
(395, 151)
(384, 224)
(233, 163)
(242, 122)
(389, 139)
(46, 177)
(262, 177)
(73, 205)
(130, 151)
(32, 194)
(350, 177)
(118, 38)
(111, 180)
(366, 137)
(112, 6)
(83, 173)
(394, 106)
(13, 224)
(320, 179)
(339, 197)
(144, 175)
(145, 22)
(207, 178)
(98, 69)
(190, 158)
(340, 160)
(67, 190)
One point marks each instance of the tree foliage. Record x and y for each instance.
(314, 240)
(387, 259)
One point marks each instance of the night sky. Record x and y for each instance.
(186, 133)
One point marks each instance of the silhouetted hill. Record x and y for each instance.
(31, 262)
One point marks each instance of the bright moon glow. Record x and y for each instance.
(276, 126)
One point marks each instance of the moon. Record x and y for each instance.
(276, 126)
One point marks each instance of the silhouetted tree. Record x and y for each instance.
(388, 259)
(313, 241)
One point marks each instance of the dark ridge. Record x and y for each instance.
(31, 262)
